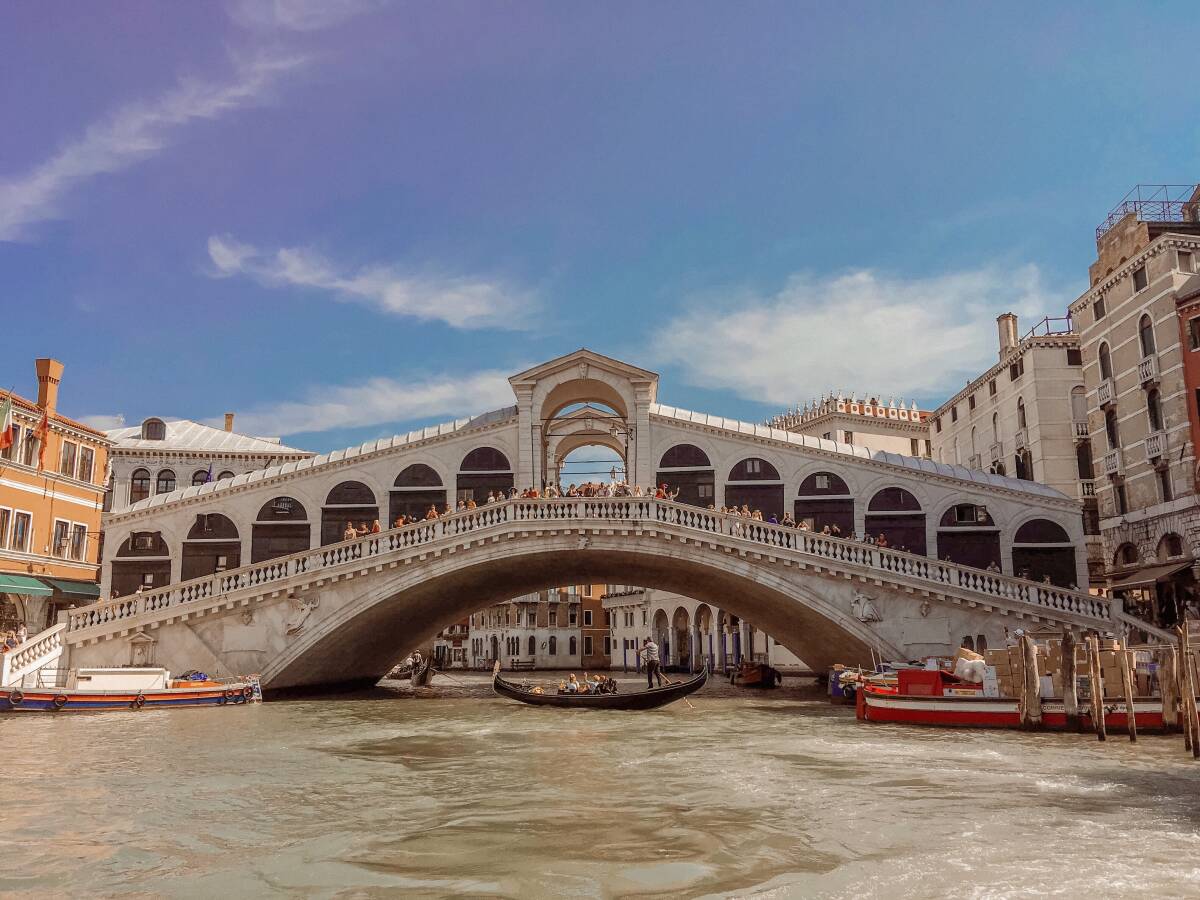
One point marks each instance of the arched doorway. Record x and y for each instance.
(896, 514)
(968, 535)
(825, 500)
(483, 470)
(143, 560)
(686, 468)
(703, 638)
(1042, 550)
(661, 632)
(755, 483)
(212, 545)
(280, 529)
(681, 637)
(416, 488)
(351, 502)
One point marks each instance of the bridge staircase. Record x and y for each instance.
(640, 519)
(42, 651)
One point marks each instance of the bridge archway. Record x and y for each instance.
(281, 528)
(896, 514)
(143, 560)
(755, 482)
(360, 634)
(416, 488)
(824, 499)
(482, 471)
(688, 469)
(1042, 550)
(967, 534)
(212, 545)
(350, 502)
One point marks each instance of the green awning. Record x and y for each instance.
(23, 584)
(86, 589)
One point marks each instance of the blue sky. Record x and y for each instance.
(346, 219)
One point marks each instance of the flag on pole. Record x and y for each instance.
(42, 433)
(208, 474)
(6, 424)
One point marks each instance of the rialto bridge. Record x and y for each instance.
(250, 574)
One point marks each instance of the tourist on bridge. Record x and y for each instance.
(650, 657)
(375, 529)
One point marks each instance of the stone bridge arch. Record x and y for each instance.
(354, 634)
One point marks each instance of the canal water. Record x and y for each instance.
(456, 792)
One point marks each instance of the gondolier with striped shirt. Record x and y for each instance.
(650, 657)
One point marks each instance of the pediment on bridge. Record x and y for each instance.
(586, 364)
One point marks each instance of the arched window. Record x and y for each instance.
(1170, 546)
(532, 645)
(995, 428)
(1041, 531)
(211, 527)
(572, 646)
(283, 509)
(1105, 361)
(1154, 410)
(974, 439)
(1112, 429)
(224, 475)
(1126, 555)
(351, 493)
(1021, 413)
(154, 430)
(139, 485)
(894, 499)
(684, 456)
(1146, 335)
(485, 459)
(200, 476)
(821, 484)
(418, 475)
(553, 645)
(165, 482)
(1042, 551)
(1079, 403)
(968, 643)
(754, 469)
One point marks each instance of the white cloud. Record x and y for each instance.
(104, 423)
(381, 400)
(127, 136)
(458, 301)
(862, 331)
(297, 15)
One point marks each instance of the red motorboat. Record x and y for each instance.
(922, 697)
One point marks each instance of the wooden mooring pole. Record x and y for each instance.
(1181, 680)
(1070, 686)
(1031, 686)
(1096, 683)
(1127, 690)
(1193, 718)
(1168, 684)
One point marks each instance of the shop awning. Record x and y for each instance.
(88, 590)
(23, 584)
(1149, 576)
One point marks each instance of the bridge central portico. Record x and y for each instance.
(268, 546)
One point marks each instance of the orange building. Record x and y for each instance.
(52, 483)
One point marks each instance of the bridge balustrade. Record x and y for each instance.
(626, 510)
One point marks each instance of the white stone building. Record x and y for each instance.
(163, 455)
(534, 631)
(869, 422)
(1024, 416)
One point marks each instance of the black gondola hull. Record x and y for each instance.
(422, 676)
(650, 699)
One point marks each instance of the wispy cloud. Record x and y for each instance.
(461, 302)
(104, 423)
(379, 401)
(127, 136)
(861, 331)
(297, 15)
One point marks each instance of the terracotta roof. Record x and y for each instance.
(31, 407)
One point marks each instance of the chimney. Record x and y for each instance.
(1006, 324)
(49, 374)
(229, 421)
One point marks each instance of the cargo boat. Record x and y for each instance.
(84, 690)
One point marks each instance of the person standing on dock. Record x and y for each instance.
(650, 657)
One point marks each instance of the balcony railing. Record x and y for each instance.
(1020, 439)
(1150, 203)
(975, 462)
(1106, 393)
(996, 451)
(1087, 488)
(1113, 464)
(1156, 444)
(1148, 369)
(1081, 429)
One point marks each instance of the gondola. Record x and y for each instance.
(422, 676)
(756, 675)
(401, 672)
(649, 699)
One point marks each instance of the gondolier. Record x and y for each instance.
(650, 658)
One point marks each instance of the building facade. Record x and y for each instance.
(1136, 334)
(689, 633)
(1026, 416)
(51, 494)
(161, 455)
(562, 628)
(880, 427)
